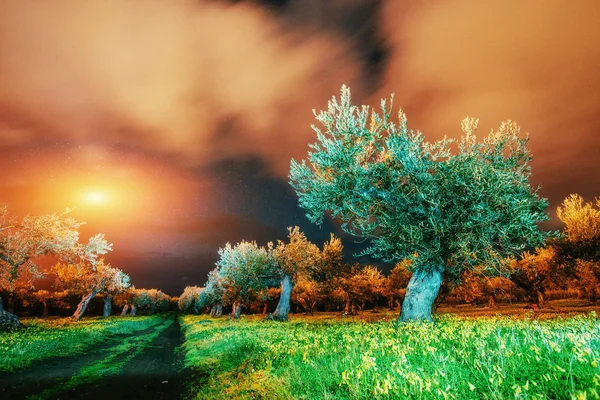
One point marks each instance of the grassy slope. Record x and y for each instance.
(455, 358)
(42, 339)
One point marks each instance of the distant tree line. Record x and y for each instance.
(299, 274)
(81, 274)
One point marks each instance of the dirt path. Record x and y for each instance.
(156, 373)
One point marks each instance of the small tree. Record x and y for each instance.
(292, 260)
(395, 284)
(189, 300)
(118, 283)
(43, 296)
(87, 282)
(533, 272)
(21, 242)
(307, 293)
(588, 278)
(150, 301)
(364, 286)
(240, 269)
(417, 200)
(214, 294)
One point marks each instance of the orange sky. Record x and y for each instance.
(185, 114)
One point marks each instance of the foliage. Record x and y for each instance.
(396, 282)
(588, 278)
(365, 285)
(296, 257)
(214, 292)
(240, 270)
(307, 293)
(151, 300)
(85, 280)
(189, 301)
(534, 272)
(455, 358)
(582, 220)
(417, 200)
(22, 241)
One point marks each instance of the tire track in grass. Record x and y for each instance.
(107, 367)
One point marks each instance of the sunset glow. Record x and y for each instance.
(96, 198)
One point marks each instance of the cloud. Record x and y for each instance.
(537, 64)
(198, 80)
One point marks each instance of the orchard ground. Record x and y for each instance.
(468, 353)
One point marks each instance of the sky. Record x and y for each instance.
(170, 126)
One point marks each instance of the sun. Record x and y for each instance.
(96, 198)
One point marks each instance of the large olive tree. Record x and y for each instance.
(444, 208)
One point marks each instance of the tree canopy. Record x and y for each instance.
(445, 209)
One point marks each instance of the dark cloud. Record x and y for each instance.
(191, 110)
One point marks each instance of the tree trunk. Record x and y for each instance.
(85, 300)
(219, 312)
(264, 312)
(133, 310)
(8, 320)
(45, 313)
(237, 310)
(213, 310)
(421, 292)
(125, 309)
(11, 303)
(283, 307)
(347, 307)
(107, 306)
(540, 298)
(491, 302)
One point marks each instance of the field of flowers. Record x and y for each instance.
(454, 358)
(47, 338)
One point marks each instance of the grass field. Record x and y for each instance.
(455, 358)
(49, 338)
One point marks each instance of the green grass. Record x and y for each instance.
(455, 358)
(43, 339)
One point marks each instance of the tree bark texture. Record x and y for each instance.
(421, 292)
(8, 320)
(283, 307)
(81, 307)
(133, 312)
(107, 307)
(11, 303)
(125, 309)
(237, 310)
(45, 313)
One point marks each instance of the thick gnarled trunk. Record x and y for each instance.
(421, 292)
(283, 307)
(107, 307)
(82, 306)
(8, 320)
